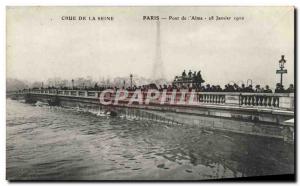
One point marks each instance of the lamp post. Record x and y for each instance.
(281, 71)
(72, 83)
(131, 80)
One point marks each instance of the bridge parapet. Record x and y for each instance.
(282, 101)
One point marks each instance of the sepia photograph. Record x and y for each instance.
(150, 93)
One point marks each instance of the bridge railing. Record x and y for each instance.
(260, 99)
(263, 100)
(211, 97)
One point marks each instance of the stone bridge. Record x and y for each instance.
(262, 114)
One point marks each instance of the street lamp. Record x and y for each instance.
(72, 83)
(282, 71)
(131, 80)
(282, 61)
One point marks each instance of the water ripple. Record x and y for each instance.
(63, 143)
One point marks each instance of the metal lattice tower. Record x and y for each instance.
(158, 69)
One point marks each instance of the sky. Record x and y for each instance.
(40, 45)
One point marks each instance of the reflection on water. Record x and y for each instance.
(58, 143)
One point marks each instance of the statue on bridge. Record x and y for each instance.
(183, 74)
(198, 79)
(191, 79)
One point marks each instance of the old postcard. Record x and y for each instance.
(150, 93)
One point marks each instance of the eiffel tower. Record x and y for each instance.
(158, 68)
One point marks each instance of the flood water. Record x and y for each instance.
(54, 143)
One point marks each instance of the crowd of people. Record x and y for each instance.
(217, 88)
(190, 81)
(207, 88)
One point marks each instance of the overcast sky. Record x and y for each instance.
(40, 45)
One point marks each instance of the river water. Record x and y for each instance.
(54, 143)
